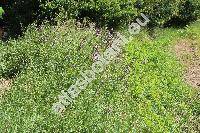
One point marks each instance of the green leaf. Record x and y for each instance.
(1, 12)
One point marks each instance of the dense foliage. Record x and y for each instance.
(110, 12)
(20, 13)
(116, 11)
(172, 12)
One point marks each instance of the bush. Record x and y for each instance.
(109, 12)
(114, 12)
(189, 10)
(174, 11)
(159, 11)
(104, 12)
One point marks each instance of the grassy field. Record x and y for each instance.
(143, 90)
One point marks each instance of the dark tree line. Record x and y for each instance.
(20, 13)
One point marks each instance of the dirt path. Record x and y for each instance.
(4, 85)
(187, 52)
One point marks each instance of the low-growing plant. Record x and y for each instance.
(142, 90)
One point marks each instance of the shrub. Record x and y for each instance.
(104, 12)
(174, 11)
(109, 12)
(189, 10)
(114, 12)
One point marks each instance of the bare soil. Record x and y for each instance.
(187, 51)
(4, 85)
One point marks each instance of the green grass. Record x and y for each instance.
(194, 34)
(142, 90)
